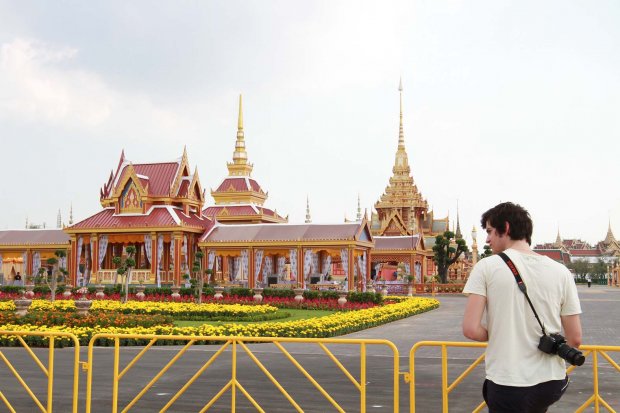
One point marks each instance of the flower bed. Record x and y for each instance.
(328, 326)
(180, 311)
(71, 319)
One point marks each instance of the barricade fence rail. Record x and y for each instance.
(42, 399)
(228, 355)
(216, 377)
(592, 352)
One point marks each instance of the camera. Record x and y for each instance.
(556, 344)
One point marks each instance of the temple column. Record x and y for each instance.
(300, 267)
(224, 268)
(177, 238)
(153, 276)
(72, 261)
(251, 267)
(368, 266)
(350, 272)
(28, 264)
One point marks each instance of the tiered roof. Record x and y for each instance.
(239, 198)
(147, 196)
(402, 194)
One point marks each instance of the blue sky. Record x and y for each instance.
(502, 101)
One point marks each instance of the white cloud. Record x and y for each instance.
(44, 83)
(37, 86)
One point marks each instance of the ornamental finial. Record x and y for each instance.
(240, 121)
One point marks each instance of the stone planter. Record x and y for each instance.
(140, 293)
(410, 291)
(218, 293)
(21, 305)
(175, 292)
(99, 292)
(258, 294)
(29, 291)
(82, 306)
(299, 294)
(342, 298)
(384, 291)
(371, 287)
(67, 292)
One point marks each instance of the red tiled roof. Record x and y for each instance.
(396, 243)
(193, 220)
(554, 254)
(183, 188)
(33, 236)
(281, 232)
(239, 184)
(161, 176)
(233, 210)
(158, 217)
(585, 253)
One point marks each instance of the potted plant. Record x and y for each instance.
(410, 279)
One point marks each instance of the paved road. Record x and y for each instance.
(601, 321)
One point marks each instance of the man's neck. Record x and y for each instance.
(522, 246)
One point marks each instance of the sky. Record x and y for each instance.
(502, 101)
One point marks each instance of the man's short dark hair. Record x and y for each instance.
(521, 225)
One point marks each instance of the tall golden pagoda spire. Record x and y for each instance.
(401, 196)
(240, 165)
(401, 133)
(609, 238)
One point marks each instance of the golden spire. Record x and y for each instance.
(240, 165)
(308, 218)
(609, 238)
(401, 133)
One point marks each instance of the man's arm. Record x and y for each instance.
(572, 329)
(472, 327)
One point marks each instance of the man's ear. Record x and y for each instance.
(507, 232)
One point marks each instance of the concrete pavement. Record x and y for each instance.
(601, 323)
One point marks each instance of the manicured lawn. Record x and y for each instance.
(294, 315)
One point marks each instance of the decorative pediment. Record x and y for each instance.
(364, 234)
(394, 225)
(129, 193)
(195, 189)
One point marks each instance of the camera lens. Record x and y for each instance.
(572, 355)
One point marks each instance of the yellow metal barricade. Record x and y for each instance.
(48, 371)
(234, 346)
(588, 351)
(595, 352)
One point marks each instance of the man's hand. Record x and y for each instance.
(472, 327)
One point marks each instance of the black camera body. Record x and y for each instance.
(556, 344)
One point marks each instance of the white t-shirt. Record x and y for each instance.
(512, 356)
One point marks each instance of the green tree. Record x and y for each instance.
(487, 251)
(199, 275)
(599, 269)
(124, 265)
(447, 251)
(580, 268)
(58, 272)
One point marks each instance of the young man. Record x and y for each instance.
(519, 377)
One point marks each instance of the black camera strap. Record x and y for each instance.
(521, 285)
